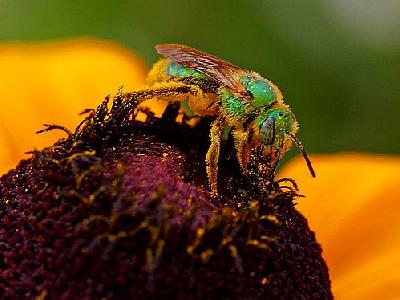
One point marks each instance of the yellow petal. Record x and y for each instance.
(52, 83)
(353, 206)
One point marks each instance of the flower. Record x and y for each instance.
(351, 205)
(120, 209)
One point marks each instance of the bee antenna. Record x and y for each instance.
(299, 145)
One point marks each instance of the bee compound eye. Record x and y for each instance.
(267, 131)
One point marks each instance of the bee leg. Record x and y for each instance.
(241, 141)
(172, 91)
(212, 157)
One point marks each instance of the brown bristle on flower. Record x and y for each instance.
(120, 210)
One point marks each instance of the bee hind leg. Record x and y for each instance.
(212, 157)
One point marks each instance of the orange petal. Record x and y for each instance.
(353, 206)
(52, 83)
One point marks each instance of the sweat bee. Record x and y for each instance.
(239, 100)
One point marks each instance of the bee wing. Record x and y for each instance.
(217, 69)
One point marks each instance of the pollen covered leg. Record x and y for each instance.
(171, 91)
(212, 157)
(241, 141)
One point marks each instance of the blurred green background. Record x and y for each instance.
(336, 61)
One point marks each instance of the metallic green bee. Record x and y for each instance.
(239, 100)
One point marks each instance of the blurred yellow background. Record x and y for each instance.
(52, 83)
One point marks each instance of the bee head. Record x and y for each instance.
(276, 126)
